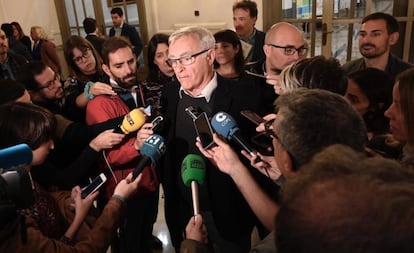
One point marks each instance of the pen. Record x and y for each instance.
(254, 74)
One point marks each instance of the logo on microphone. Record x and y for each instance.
(197, 164)
(129, 119)
(222, 118)
(156, 140)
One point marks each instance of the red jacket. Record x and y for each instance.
(122, 158)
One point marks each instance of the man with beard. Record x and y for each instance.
(44, 86)
(244, 20)
(9, 61)
(379, 31)
(120, 64)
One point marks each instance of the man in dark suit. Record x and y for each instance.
(92, 34)
(121, 28)
(227, 216)
(244, 20)
(10, 62)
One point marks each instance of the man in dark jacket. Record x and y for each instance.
(379, 31)
(123, 29)
(244, 20)
(15, 45)
(191, 55)
(10, 62)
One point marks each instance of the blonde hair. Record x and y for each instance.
(40, 32)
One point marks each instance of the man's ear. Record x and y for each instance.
(287, 164)
(105, 68)
(266, 50)
(211, 55)
(394, 38)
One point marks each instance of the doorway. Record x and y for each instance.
(331, 27)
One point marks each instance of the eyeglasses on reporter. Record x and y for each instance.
(185, 60)
(49, 84)
(85, 55)
(291, 50)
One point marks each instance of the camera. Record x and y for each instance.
(16, 188)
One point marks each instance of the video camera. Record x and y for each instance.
(16, 188)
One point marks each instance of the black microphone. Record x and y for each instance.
(226, 126)
(151, 151)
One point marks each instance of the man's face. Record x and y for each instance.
(49, 86)
(194, 77)
(398, 126)
(116, 20)
(286, 36)
(122, 67)
(374, 39)
(4, 43)
(243, 23)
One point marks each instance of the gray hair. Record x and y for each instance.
(312, 119)
(206, 38)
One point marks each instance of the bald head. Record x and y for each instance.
(283, 29)
(280, 36)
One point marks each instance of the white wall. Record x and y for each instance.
(163, 15)
(32, 12)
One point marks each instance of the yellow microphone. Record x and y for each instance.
(131, 122)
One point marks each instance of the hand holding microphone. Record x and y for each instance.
(151, 151)
(226, 126)
(132, 122)
(193, 173)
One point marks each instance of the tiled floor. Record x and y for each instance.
(160, 228)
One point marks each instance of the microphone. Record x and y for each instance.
(193, 173)
(151, 151)
(131, 122)
(15, 156)
(226, 126)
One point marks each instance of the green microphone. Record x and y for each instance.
(193, 173)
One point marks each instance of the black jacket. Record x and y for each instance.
(130, 33)
(233, 217)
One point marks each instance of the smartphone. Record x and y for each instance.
(253, 117)
(204, 130)
(94, 186)
(262, 143)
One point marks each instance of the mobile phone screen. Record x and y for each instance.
(94, 186)
(252, 116)
(204, 130)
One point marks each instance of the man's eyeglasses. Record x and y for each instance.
(290, 50)
(268, 125)
(85, 56)
(49, 85)
(185, 60)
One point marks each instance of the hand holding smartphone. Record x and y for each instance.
(204, 130)
(94, 186)
(253, 117)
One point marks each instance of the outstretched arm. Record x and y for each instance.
(228, 162)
